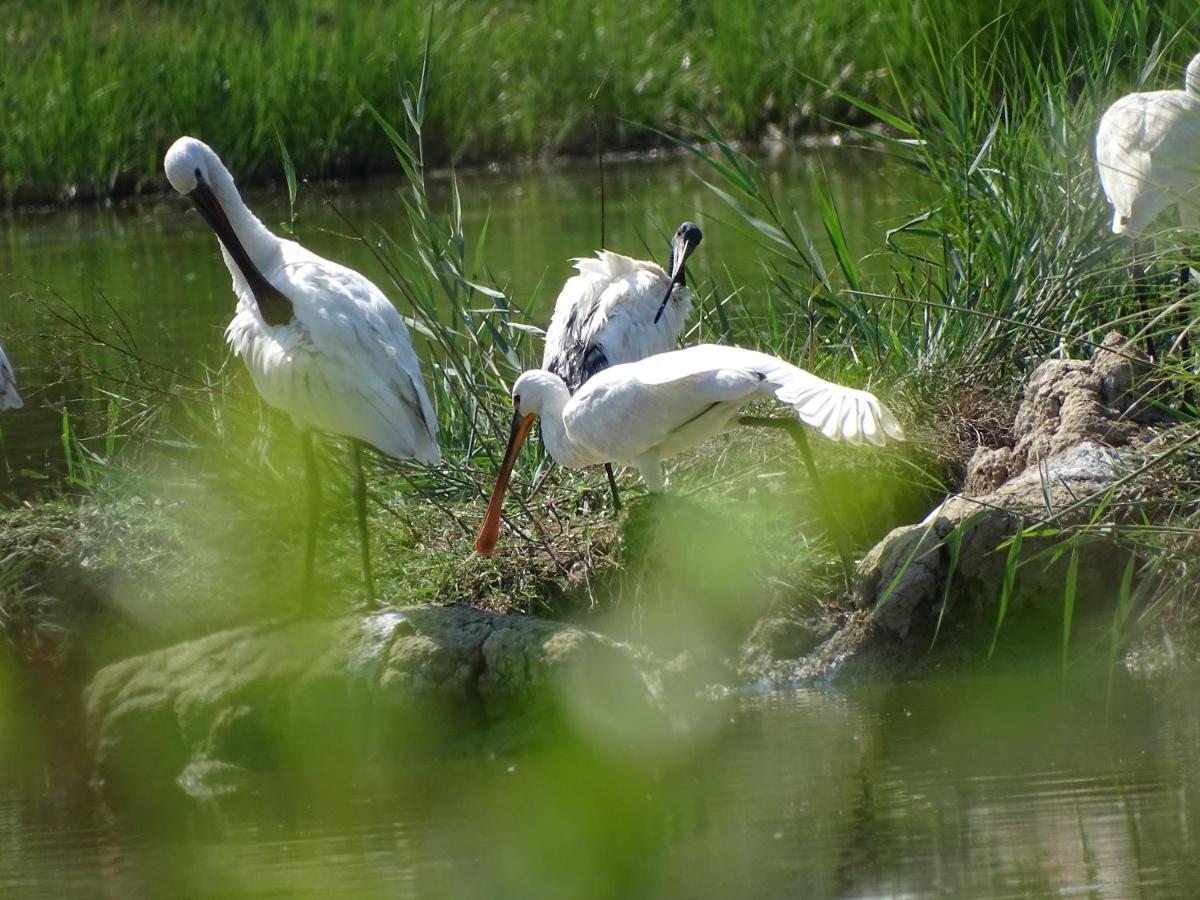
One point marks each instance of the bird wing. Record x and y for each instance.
(838, 412)
(9, 398)
(1146, 153)
(712, 373)
(659, 405)
(357, 374)
(604, 316)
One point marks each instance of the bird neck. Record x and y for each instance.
(554, 430)
(1191, 81)
(250, 251)
(559, 444)
(262, 247)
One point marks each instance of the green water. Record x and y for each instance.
(1001, 787)
(154, 269)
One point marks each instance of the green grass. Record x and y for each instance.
(94, 92)
(1011, 262)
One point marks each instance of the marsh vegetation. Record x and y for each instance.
(161, 498)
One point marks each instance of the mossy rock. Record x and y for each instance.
(303, 694)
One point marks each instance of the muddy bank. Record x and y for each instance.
(1031, 518)
(421, 679)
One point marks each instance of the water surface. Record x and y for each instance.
(980, 787)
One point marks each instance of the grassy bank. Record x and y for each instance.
(94, 92)
(1010, 263)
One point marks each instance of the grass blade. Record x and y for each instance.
(1011, 563)
(1069, 601)
(1120, 613)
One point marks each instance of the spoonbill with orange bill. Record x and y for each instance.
(643, 412)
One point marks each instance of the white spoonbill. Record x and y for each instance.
(643, 412)
(9, 398)
(619, 310)
(1148, 153)
(321, 342)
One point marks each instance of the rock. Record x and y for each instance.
(257, 698)
(906, 572)
(1064, 405)
(902, 572)
(987, 469)
(1076, 432)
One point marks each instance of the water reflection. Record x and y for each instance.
(985, 787)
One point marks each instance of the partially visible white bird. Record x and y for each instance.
(643, 412)
(320, 341)
(619, 310)
(1148, 153)
(616, 310)
(9, 398)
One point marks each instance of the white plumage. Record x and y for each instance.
(340, 359)
(609, 313)
(344, 364)
(643, 412)
(320, 341)
(1148, 153)
(9, 398)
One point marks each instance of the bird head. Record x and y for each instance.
(195, 171)
(189, 163)
(687, 238)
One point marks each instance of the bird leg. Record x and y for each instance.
(1141, 290)
(360, 512)
(1184, 341)
(795, 429)
(314, 516)
(612, 486)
